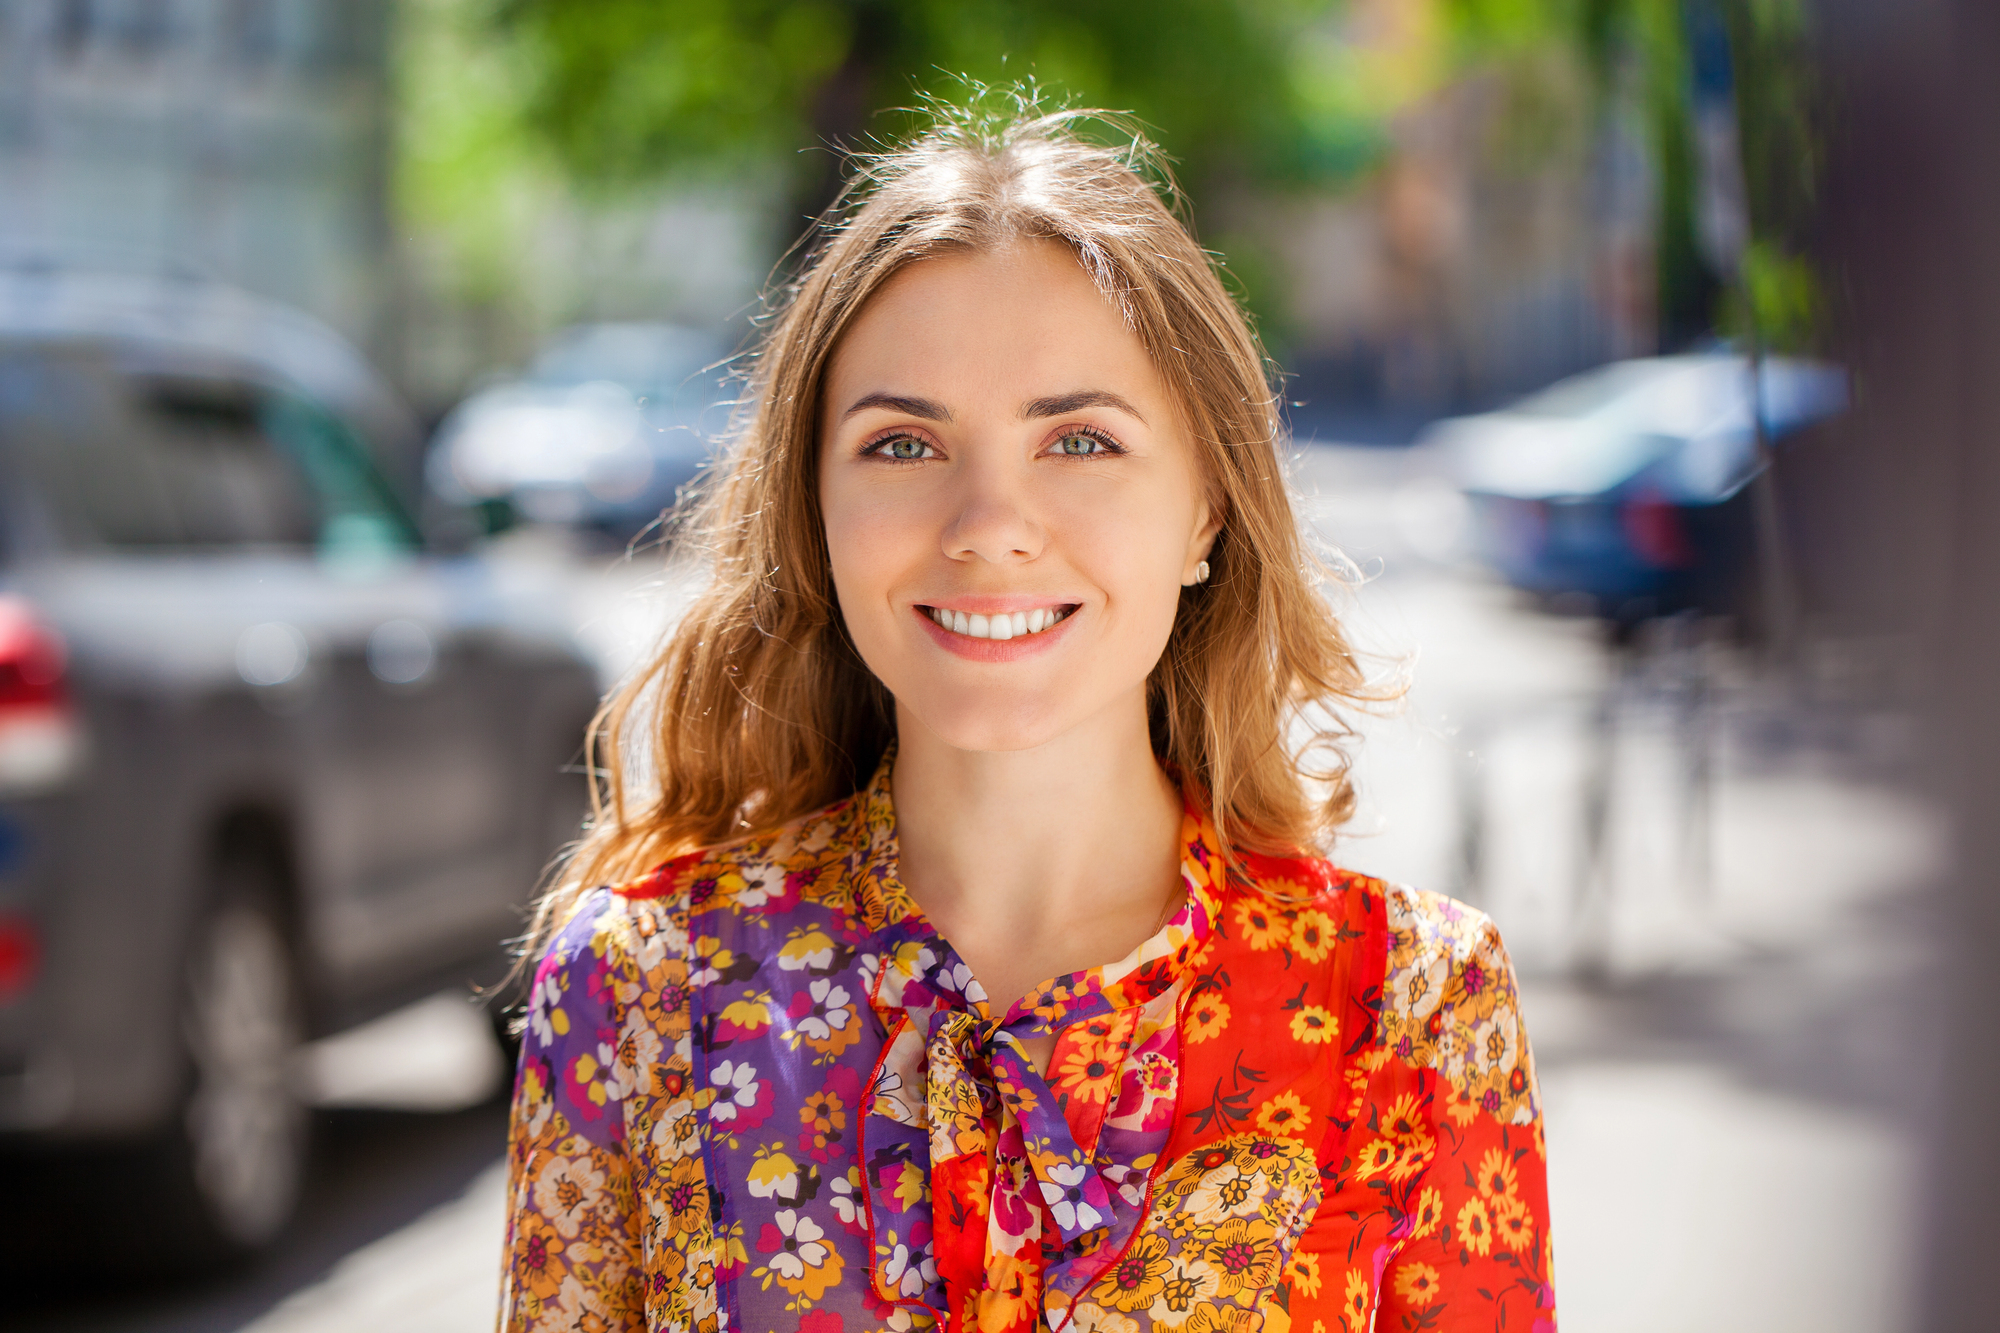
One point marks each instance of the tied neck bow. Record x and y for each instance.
(978, 1083)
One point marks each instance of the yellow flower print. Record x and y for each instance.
(823, 1117)
(1413, 1154)
(1417, 1283)
(1244, 1255)
(773, 1174)
(1260, 927)
(806, 947)
(1190, 1280)
(1138, 1278)
(1377, 1157)
(1314, 1026)
(1086, 1075)
(1512, 1222)
(1093, 1318)
(538, 1256)
(1475, 1227)
(752, 1013)
(1356, 1309)
(1206, 1018)
(1284, 1114)
(1496, 1173)
(1463, 1108)
(685, 1197)
(1404, 1118)
(1313, 935)
(1304, 1273)
(1012, 1292)
(1427, 1214)
(711, 960)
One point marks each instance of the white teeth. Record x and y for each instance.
(1014, 625)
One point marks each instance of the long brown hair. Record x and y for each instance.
(758, 709)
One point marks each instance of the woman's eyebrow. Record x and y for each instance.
(894, 402)
(1065, 403)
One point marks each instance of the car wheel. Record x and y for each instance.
(236, 1153)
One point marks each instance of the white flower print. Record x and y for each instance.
(801, 1249)
(1423, 983)
(846, 1195)
(736, 1088)
(544, 997)
(829, 1013)
(1063, 1192)
(639, 1048)
(566, 1192)
(760, 884)
(909, 1271)
(1228, 1191)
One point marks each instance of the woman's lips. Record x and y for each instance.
(1022, 639)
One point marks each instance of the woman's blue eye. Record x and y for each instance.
(905, 447)
(1081, 444)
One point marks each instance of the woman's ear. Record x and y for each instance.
(1207, 525)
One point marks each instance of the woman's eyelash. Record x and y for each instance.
(1104, 438)
(880, 446)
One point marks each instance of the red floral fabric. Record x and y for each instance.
(759, 1091)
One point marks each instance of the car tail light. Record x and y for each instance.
(1653, 525)
(41, 736)
(20, 955)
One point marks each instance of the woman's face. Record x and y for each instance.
(997, 450)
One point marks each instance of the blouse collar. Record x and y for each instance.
(921, 971)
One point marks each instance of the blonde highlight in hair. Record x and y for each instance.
(757, 708)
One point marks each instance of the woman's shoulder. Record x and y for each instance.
(1450, 1003)
(1447, 999)
(761, 873)
(755, 879)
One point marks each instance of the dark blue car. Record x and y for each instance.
(1626, 488)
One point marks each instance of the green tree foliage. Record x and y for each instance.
(628, 89)
(1639, 49)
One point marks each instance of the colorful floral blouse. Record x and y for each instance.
(758, 1091)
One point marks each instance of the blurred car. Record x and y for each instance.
(603, 430)
(1625, 487)
(268, 766)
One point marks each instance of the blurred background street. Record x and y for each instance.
(352, 350)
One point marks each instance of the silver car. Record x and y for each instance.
(602, 431)
(268, 764)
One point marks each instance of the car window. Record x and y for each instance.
(146, 459)
(228, 484)
(358, 510)
(68, 451)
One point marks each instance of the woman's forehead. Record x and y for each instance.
(1022, 319)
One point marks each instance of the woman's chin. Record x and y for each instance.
(990, 726)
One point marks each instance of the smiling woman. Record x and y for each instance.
(971, 959)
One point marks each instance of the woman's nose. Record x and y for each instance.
(992, 520)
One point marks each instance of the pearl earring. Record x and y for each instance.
(1201, 572)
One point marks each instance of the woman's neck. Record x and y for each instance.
(1037, 863)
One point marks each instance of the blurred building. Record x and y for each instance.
(1503, 240)
(243, 140)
